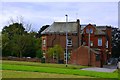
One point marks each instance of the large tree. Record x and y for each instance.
(115, 42)
(13, 37)
(17, 41)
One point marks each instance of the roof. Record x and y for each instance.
(60, 27)
(94, 51)
(99, 29)
(99, 32)
(84, 25)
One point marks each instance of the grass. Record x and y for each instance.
(43, 64)
(54, 69)
(24, 74)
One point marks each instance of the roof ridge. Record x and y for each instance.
(65, 22)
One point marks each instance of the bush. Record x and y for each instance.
(39, 54)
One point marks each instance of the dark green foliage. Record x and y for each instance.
(42, 60)
(115, 42)
(38, 45)
(39, 53)
(18, 42)
(42, 29)
(55, 52)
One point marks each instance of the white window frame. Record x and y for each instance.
(68, 55)
(91, 43)
(107, 44)
(69, 42)
(87, 30)
(44, 56)
(44, 52)
(44, 42)
(91, 30)
(84, 43)
(99, 41)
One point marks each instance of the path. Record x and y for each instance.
(105, 69)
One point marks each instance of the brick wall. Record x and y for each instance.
(80, 56)
(59, 39)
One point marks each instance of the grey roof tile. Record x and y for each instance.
(60, 27)
(99, 32)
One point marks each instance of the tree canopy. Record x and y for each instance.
(42, 29)
(16, 41)
(115, 42)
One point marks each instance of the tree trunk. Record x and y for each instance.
(20, 54)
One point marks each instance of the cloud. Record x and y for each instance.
(43, 13)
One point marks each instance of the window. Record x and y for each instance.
(107, 44)
(84, 43)
(43, 51)
(91, 43)
(99, 41)
(87, 30)
(44, 42)
(43, 56)
(69, 42)
(68, 55)
(97, 57)
(91, 30)
(54, 56)
(65, 55)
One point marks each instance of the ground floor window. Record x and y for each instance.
(91, 43)
(44, 52)
(54, 56)
(97, 57)
(99, 41)
(68, 55)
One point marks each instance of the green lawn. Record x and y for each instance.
(43, 64)
(54, 69)
(24, 74)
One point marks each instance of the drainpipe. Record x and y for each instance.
(89, 49)
(53, 44)
(78, 32)
(66, 38)
(53, 39)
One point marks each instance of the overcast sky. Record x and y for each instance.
(45, 13)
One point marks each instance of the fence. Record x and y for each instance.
(22, 59)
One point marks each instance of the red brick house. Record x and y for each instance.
(78, 52)
(100, 46)
(56, 34)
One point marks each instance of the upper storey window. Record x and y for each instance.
(44, 42)
(69, 42)
(87, 30)
(91, 31)
(99, 41)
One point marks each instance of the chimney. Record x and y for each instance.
(78, 32)
(78, 20)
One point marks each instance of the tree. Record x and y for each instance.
(14, 38)
(56, 52)
(115, 42)
(42, 29)
(0, 45)
(17, 40)
(38, 46)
